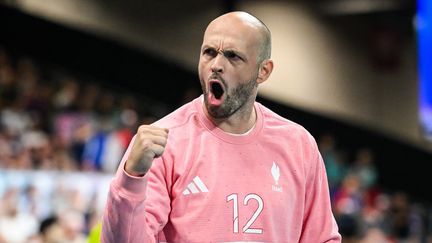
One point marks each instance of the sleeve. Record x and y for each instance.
(137, 208)
(319, 224)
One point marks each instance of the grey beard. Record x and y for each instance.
(234, 101)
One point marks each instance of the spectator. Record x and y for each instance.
(335, 167)
(12, 220)
(364, 167)
(50, 231)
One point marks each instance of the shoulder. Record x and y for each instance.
(285, 131)
(179, 117)
(274, 121)
(183, 123)
(290, 136)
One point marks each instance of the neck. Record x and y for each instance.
(240, 122)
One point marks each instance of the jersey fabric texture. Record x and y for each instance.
(269, 185)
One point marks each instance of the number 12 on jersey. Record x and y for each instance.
(247, 227)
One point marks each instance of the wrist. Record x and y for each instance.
(132, 171)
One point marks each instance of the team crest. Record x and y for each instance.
(275, 172)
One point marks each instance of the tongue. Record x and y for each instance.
(216, 94)
(213, 100)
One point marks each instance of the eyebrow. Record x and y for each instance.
(238, 53)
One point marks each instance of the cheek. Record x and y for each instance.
(201, 67)
(243, 76)
(202, 75)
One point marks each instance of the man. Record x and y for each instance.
(223, 168)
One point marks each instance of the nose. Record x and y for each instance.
(217, 65)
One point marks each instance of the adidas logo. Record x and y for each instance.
(196, 186)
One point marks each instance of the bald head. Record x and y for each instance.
(255, 24)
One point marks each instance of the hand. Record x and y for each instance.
(149, 143)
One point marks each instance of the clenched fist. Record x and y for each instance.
(149, 143)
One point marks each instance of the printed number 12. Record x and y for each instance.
(246, 228)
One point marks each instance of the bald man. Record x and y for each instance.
(223, 168)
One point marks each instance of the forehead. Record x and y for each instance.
(232, 34)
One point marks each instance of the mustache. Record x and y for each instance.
(218, 77)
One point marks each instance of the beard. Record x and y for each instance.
(235, 99)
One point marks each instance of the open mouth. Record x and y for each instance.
(217, 89)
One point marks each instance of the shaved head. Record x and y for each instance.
(245, 18)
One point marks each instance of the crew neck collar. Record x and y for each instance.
(228, 137)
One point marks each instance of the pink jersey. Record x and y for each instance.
(269, 185)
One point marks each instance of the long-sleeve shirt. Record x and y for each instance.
(268, 185)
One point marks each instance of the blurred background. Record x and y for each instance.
(78, 77)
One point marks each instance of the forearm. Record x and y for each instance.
(124, 219)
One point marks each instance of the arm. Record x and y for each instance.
(138, 202)
(319, 224)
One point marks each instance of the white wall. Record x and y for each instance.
(170, 29)
(313, 68)
(319, 70)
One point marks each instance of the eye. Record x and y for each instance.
(232, 56)
(209, 52)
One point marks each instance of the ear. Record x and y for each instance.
(265, 69)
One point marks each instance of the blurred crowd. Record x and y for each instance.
(366, 212)
(50, 119)
(50, 206)
(57, 123)
(62, 136)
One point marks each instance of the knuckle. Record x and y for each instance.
(144, 128)
(141, 128)
(146, 144)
